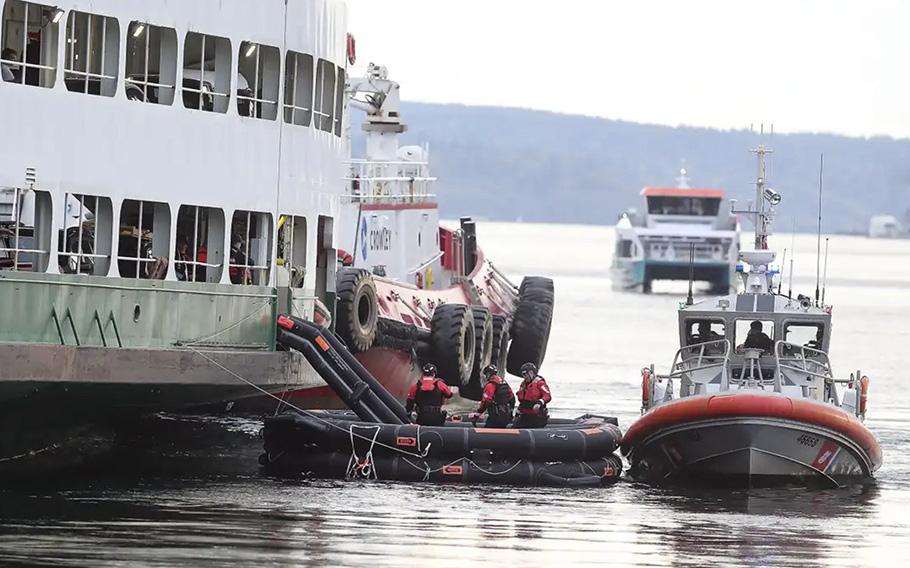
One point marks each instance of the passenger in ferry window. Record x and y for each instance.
(180, 258)
(239, 272)
(11, 73)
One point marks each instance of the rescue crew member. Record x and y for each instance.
(757, 339)
(498, 400)
(533, 396)
(428, 395)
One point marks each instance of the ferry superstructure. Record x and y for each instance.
(656, 243)
(170, 179)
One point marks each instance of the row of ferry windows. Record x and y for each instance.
(84, 245)
(313, 92)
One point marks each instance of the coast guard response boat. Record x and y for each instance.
(655, 244)
(751, 397)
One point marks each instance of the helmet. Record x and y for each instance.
(490, 370)
(429, 369)
(529, 368)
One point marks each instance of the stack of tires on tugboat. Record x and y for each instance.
(410, 290)
(377, 440)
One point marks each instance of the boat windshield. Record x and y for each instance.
(692, 206)
(810, 335)
(755, 334)
(704, 330)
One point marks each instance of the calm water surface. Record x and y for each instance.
(208, 506)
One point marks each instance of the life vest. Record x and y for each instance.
(501, 404)
(531, 393)
(428, 394)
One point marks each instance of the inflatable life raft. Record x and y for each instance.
(567, 453)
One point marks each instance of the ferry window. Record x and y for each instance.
(199, 251)
(151, 63)
(92, 54)
(298, 88)
(30, 36)
(143, 243)
(694, 206)
(206, 72)
(25, 229)
(251, 247)
(325, 257)
(755, 333)
(703, 331)
(84, 243)
(292, 250)
(325, 96)
(625, 248)
(339, 101)
(806, 334)
(257, 80)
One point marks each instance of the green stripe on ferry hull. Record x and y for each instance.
(122, 312)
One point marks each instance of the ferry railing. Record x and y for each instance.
(695, 358)
(804, 360)
(392, 181)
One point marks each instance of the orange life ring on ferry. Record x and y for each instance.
(420, 280)
(863, 394)
(645, 387)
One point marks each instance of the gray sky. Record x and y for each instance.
(829, 66)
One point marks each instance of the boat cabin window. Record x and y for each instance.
(84, 243)
(251, 247)
(625, 248)
(292, 250)
(806, 334)
(143, 244)
(298, 88)
(757, 334)
(258, 73)
(206, 72)
(199, 250)
(151, 63)
(92, 56)
(25, 229)
(30, 39)
(692, 206)
(339, 101)
(325, 96)
(704, 330)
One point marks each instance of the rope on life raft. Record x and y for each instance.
(314, 415)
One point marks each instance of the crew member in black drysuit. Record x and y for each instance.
(498, 400)
(757, 339)
(428, 395)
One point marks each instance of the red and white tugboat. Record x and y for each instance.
(409, 290)
(769, 411)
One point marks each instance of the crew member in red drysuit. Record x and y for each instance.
(498, 400)
(428, 395)
(533, 396)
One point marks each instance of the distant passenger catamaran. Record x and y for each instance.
(677, 222)
(173, 176)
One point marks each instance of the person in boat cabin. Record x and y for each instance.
(11, 73)
(705, 333)
(498, 400)
(533, 397)
(428, 395)
(757, 339)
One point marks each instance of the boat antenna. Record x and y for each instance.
(783, 269)
(792, 256)
(825, 272)
(689, 299)
(818, 248)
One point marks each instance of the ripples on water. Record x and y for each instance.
(206, 505)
